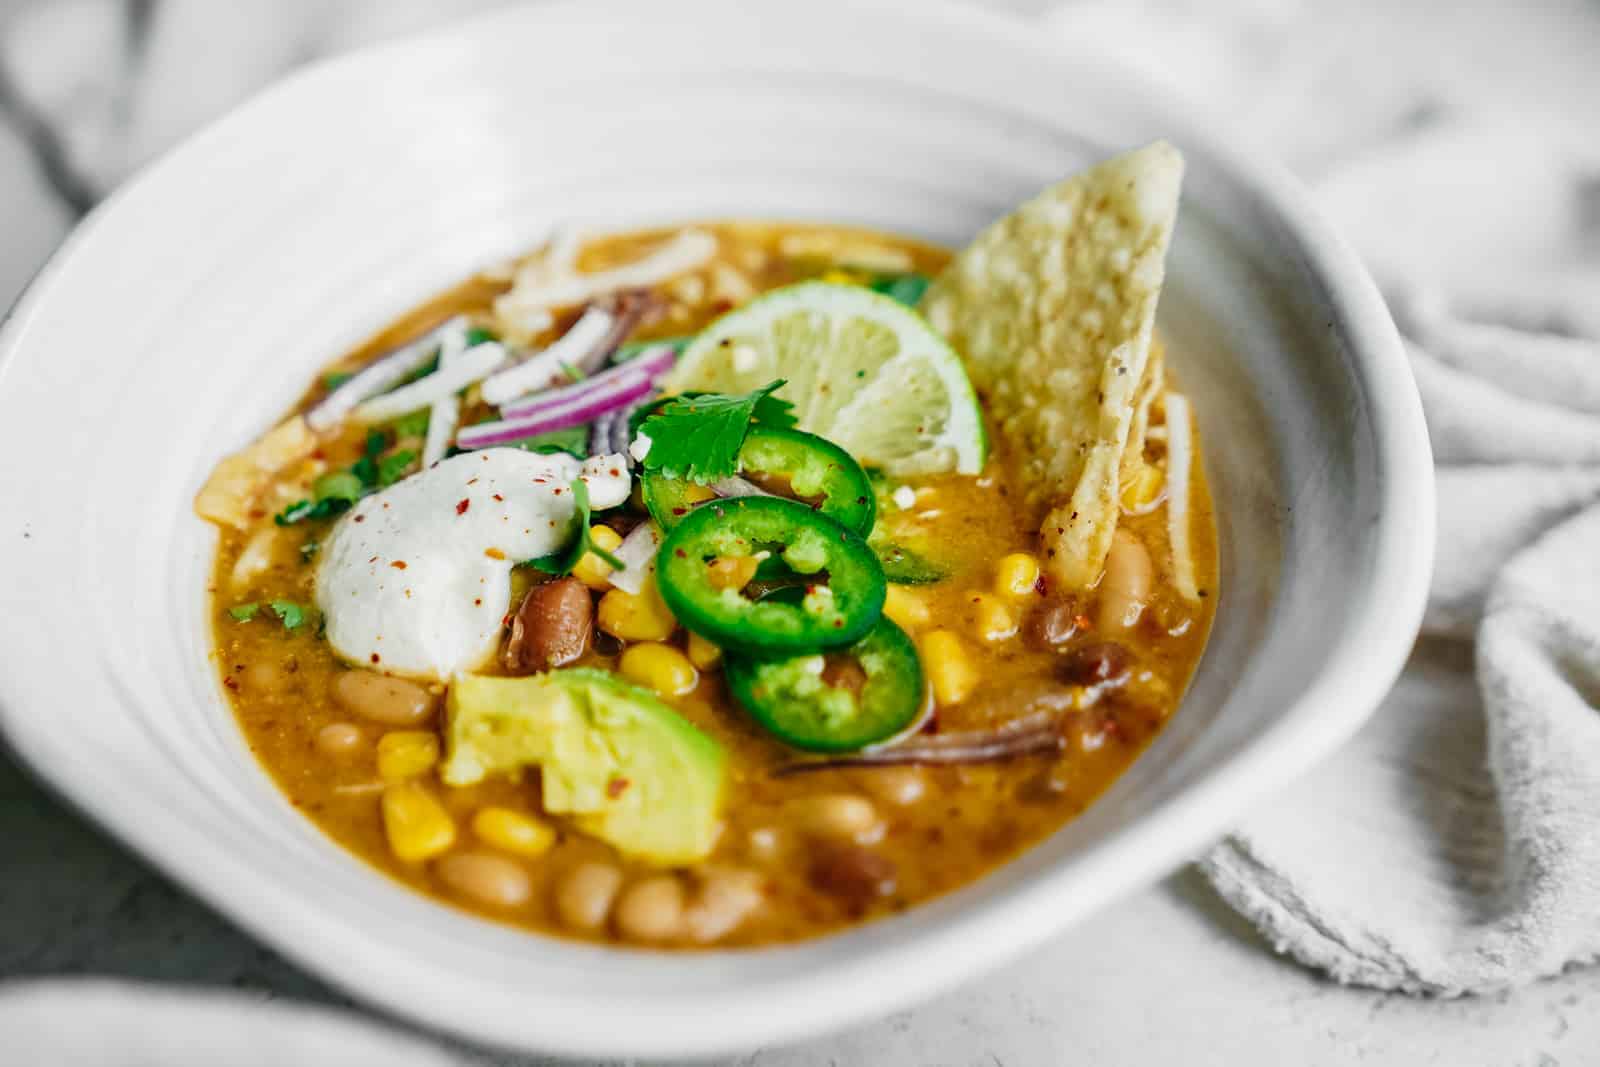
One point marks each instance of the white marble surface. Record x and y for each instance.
(1168, 976)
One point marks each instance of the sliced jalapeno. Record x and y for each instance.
(817, 472)
(838, 607)
(834, 702)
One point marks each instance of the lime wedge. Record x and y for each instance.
(863, 371)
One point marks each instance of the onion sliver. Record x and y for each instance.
(733, 486)
(445, 415)
(381, 375)
(475, 364)
(651, 363)
(638, 553)
(689, 250)
(546, 367)
(1180, 460)
(582, 408)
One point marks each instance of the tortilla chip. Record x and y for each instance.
(1155, 380)
(231, 492)
(1053, 308)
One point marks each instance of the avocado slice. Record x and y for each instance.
(626, 767)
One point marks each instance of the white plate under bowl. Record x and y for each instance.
(187, 312)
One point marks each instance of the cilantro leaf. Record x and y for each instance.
(291, 614)
(244, 612)
(392, 468)
(335, 378)
(574, 441)
(563, 560)
(337, 485)
(906, 289)
(774, 412)
(698, 438)
(301, 510)
(414, 424)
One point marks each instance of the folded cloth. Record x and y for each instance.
(1448, 849)
(1452, 846)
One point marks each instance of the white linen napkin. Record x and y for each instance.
(1453, 846)
(1450, 847)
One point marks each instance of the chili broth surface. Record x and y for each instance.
(937, 828)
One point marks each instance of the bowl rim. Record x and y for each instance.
(1368, 654)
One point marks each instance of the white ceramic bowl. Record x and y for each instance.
(187, 312)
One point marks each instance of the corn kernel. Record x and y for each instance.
(694, 493)
(591, 570)
(731, 572)
(512, 831)
(949, 671)
(642, 617)
(659, 667)
(406, 754)
(906, 608)
(1017, 575)
(993, 618)
(703, 653)
(1142, 490)
(840, 276)
(416, 824)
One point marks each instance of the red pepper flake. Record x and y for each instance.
(1081, 622)
(681, 554)
(399, 564)
(477, 602)
(616, 787)
(838, 624)
(680, 511)
(1038, 585)
(615, 473)
(374, 559)
(462, 506)
(505, 621)
(360, 518)
(556, 491)
(500, 498)
(376, 658)
(494, 553)
(472, 481)
(231, 683)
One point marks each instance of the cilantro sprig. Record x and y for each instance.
(337, 491)
(563, 560)
(291, 614)
(697, 437)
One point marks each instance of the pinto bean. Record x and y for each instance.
(551, 628)
(1100, 663)
(1125, 587)
(856, 875)
(380, 698)
(1053, 623)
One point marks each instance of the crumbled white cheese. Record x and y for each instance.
(905, 498)
(640, 447)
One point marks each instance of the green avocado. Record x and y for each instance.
(626, 767)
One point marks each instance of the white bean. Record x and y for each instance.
(1125, 587)
(585, 894)
(391, 701)
(488, 879)
(652, 909)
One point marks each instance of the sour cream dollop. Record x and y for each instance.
(416, 580)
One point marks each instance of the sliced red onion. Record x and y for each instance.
(582, 408)
(975, 746)
(628, 310)
(734, 486)
(638, 553)
(545, 368)
(381, 375)
(651, 363)
(474, 365)
(689, 250)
